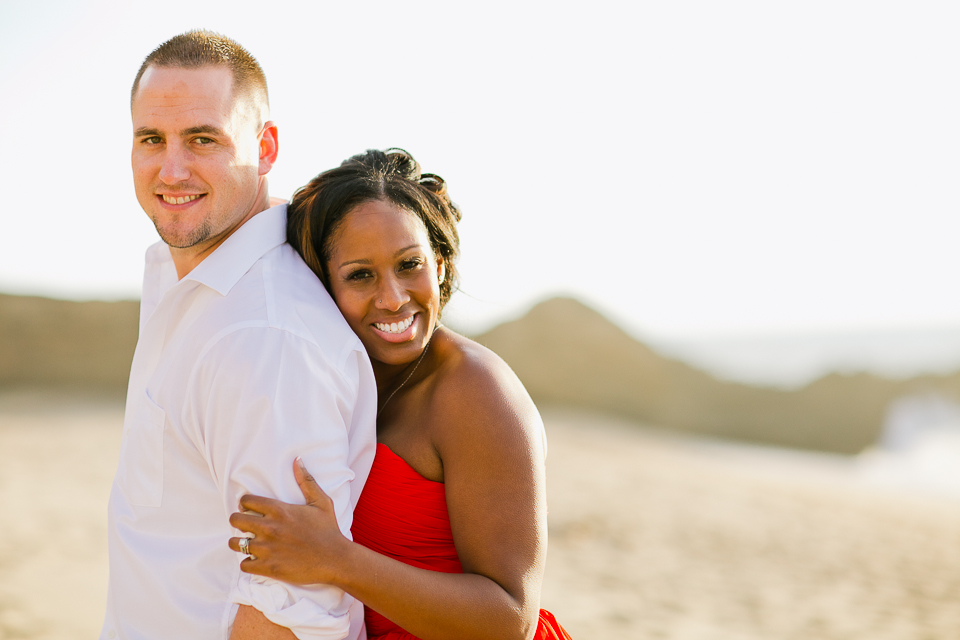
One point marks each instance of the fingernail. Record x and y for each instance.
(300, 463)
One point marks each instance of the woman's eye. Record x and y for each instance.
(358, 275)
(411, 264)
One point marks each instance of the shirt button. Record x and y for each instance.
(112, 633)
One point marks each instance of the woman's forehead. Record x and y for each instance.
(379, 226)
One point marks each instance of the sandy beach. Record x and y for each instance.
(651, 535)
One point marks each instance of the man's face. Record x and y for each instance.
(196, 154)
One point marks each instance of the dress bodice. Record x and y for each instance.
(403, 515)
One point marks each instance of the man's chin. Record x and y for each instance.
(181, 239)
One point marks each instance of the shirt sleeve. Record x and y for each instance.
(259, 398)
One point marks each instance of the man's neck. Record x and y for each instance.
(186, 260)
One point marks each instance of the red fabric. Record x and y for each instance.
(549, 629)
(403, 515)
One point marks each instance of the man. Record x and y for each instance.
(243, 363)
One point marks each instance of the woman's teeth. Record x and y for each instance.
(394, 327)
(180, 200)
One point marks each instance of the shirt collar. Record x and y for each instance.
(231, 260)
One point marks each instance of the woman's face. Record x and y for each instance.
(385, 279)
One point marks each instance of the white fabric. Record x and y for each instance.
(241, 366)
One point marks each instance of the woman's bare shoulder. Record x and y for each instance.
(479, 392)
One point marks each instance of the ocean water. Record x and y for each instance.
(918, 454)
(919, 449)
(791, 361)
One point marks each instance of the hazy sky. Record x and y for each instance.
(692, 168)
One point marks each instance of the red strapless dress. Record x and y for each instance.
(403, 515)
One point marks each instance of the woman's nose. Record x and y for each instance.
(392, 295)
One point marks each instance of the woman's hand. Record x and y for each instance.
(298, 544)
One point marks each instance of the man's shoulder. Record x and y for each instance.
(281, 293)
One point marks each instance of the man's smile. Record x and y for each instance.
(179, 199)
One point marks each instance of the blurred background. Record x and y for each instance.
(716, 241)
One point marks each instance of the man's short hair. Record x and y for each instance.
(200, 48)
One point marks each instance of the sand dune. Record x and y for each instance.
(651, 535)
(563, 352)
(73, 345)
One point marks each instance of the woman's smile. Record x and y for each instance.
(397, 331)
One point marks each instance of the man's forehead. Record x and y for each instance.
(162, 86)
(200, 93)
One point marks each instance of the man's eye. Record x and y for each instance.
(203, 140)
(152, 140)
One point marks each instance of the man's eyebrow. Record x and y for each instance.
(145, 131)
(203, 128)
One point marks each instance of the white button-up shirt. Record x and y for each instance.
(241, 366)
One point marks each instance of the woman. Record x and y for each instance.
(450, 530)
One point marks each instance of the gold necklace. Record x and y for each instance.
(406, 380)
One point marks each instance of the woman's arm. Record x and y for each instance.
(492, 454)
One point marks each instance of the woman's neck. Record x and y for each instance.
(389, 375)
(393, 380)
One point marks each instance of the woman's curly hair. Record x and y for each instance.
(319, 207)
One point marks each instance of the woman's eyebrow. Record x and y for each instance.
(405, 249)
(348, 262)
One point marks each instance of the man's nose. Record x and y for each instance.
(392, 294)
(175, 166)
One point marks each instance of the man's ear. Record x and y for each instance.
(269, 147)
